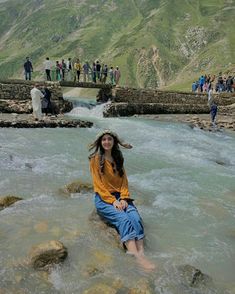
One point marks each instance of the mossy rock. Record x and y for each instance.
(76, 187)
(8, 200)
(193, 276)
(43, 256)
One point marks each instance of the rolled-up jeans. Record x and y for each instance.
(127, 222)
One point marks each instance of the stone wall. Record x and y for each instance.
(130, 101)
(15, 96)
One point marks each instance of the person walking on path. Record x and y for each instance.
(28, 69)
(213, 107)
(47, 67)
(112, 197)
(36, 96)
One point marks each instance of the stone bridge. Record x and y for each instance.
(131, 101)
(15, 94)
(15, 97)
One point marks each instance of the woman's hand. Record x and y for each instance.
(124, 204)
(117, 205)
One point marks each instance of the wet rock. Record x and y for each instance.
(100, 289)
(45, 255)
(92, 271)
(105, 230)
(143, 287)
(6, 201)
(194, 277)
(76, 187)
(41, 227)
(15, 290)
(8, 122)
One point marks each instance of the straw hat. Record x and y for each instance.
(113, 134)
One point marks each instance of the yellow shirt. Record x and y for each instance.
(77, 66)
(108, 182)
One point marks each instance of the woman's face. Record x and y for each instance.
(107, 142)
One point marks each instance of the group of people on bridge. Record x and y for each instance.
(75, 70)
(217, 84)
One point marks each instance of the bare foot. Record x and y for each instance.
(145, 263)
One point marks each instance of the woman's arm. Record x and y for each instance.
(97, 182)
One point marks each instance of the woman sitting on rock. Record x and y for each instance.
(112, 198)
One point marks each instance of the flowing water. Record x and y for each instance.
(183, 181)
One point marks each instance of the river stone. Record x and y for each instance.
(41, 227)
(100, 289)
(193, 276)
(44, 255)
(142, 287)
(76, 187)
(6, 201)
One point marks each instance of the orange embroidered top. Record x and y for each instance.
(108, 182)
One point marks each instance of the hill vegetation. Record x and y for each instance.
(156, 43)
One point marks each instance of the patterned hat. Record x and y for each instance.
(113, 134)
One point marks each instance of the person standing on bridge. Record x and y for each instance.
(28, 68)
(69, 68)
(77, 70)
(117, 75)
(36, 96)
(47, 66)
(86, 69)
(104, 73)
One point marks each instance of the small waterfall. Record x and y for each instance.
(87, 109)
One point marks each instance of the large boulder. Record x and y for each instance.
(6, 201)
(108, 232)
(43, 256)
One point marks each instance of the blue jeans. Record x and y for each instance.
(27, 75)
(127, 222)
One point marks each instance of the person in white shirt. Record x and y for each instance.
(47, 66)
(36, 96)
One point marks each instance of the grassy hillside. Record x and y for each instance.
(156, 43)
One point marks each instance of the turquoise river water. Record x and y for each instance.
(183, 180)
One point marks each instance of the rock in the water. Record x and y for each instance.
(6, 201)
(76, 187)
(105, 230)
(45, 255)
(100, 289)
(193, 276)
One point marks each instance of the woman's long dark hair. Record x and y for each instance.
(116, 154)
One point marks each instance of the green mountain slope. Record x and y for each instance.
(156, 43)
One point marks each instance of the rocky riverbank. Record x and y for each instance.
(201, 121)
(13, 120)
